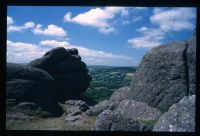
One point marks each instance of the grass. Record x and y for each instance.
(39, 112)
(149, 123)
(42, 121)
(162, 110)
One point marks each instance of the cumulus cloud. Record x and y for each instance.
(12, 28)
(51, 30)
(140, 8)
(151, 38)
(20, 52)
(137, 18)
(54, 43)
(175, 19)
(24, 52)
(97, 17)
(85, 52)
(9, 20)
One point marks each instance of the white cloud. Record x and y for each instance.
(20, 52)
(27, 25)
(144, 42)
(140, 8)
(93, 59)
(9, 20)
(97, 17)
(135, 19)
(54, 43)
(151, 38)
(175, 19)
(125, 22)
(51, 30)
(85, 52)
(107, 30)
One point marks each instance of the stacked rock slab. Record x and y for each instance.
(165, 75)
(67, 69)
(58, 75)
(25, 83)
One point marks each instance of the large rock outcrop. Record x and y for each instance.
(179, 118)
(67, 69)
(58, 75)
(165, 75)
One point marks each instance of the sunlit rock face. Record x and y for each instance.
(166, 74)
(179, 118)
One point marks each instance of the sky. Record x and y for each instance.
(114, 36)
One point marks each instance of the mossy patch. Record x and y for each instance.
(149, 123)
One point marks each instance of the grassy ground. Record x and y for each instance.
(45, 124)
(41, 123)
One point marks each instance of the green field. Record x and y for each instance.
(106, 79)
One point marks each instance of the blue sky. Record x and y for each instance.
(117, 36)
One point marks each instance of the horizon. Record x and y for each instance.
(106, 36)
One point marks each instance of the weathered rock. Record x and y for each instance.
(121, 94)
(179, 118)
(128, 115)
(36, 92)
(73, 111)
(18, 116)
(71, 80)
(191, 65)
(75, 57)
(104, 121)
(137, 110)
(25, 90)
(161, 78)
(76, 121)
(69, 66)
(69, 72)
(17, 71)
(67, 78)
(98, 108)
(72, 51)
(27, 106)
(66, 91)
(123, 123)
(110, 121)
(50, 59)
(82, 105)
(76, 102)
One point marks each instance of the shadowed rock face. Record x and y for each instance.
(58, 75)
(165, 75)
(67, 69)
(191, 62)
(17, 71)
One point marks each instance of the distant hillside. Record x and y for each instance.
(106, 79)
